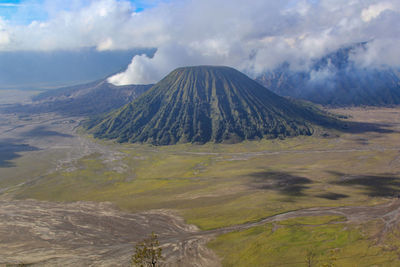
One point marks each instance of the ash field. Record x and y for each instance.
(68, 199)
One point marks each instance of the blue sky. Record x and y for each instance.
(26, 11)
(21, 12)
(8, 8)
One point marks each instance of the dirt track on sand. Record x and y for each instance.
(91, 234)
(97, 234)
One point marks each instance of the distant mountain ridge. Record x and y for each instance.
(336, 81)
(207, 104)
(83, 100)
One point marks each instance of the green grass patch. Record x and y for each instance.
(210, 189)
(287, 244)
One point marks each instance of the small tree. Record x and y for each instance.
(147, 252)
(310, 258)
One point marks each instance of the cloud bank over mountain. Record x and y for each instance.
(252, 36)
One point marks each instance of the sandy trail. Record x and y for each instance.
(389, 213)
(90, 234)
(98, 234)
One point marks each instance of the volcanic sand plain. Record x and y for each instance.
(264, 203)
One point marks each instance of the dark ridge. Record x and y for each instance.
(335, 80)
(208, 104)
(82, 100)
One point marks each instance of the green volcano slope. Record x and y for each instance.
(208, 104)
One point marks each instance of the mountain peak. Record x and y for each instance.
(206, 104)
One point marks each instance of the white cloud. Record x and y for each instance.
(10, 5)
(263, 35)
(251, 36)
(379, 53)
(4, 35)
(374, 11)
(107, 44)
(145, 70)
(4, 38)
